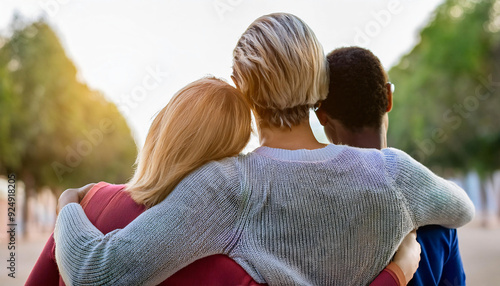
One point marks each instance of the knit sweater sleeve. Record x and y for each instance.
(197, 219)
(430, 198)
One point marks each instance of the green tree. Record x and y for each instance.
(54, 130)
(448, 90)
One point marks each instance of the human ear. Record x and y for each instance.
(389, 98)
(322, 116)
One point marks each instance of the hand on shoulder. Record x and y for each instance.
(73, 196)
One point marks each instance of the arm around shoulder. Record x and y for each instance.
(431, 199)
(195, 220)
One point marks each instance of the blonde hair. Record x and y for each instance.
(206, 120)
(281, 69)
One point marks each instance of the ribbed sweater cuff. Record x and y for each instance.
(71, 223)
(74, 213)
(72, 232)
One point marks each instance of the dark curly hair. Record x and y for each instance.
(358, 95)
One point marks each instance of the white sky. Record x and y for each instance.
(118, 44)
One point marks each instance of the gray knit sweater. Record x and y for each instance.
(331, 216)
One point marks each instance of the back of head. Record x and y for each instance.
(357, 96)
(206, 120)
(280, 68)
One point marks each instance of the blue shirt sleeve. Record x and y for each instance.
(440, 260)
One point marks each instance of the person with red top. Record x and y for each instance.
(172, 145)
(110, 207)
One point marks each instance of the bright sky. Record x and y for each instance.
(139, 53)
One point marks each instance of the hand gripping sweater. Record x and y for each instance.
(331, 216)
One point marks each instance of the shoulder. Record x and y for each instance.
(399, 163)
(217, 184)
(212, 177)
(226, 169)
(386, 160)
(98, 191)
(396, 155)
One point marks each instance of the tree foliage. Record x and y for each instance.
(447, 99)
(54, 130)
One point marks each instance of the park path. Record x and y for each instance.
(480, 248)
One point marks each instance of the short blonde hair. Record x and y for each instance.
(281, 69)
(206, 120)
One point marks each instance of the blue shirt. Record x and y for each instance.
(440, 261)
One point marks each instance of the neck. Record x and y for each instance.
(367, 137)
(297, 137)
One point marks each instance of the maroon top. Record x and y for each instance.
(110, 208)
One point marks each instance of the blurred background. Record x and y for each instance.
(80, 82)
